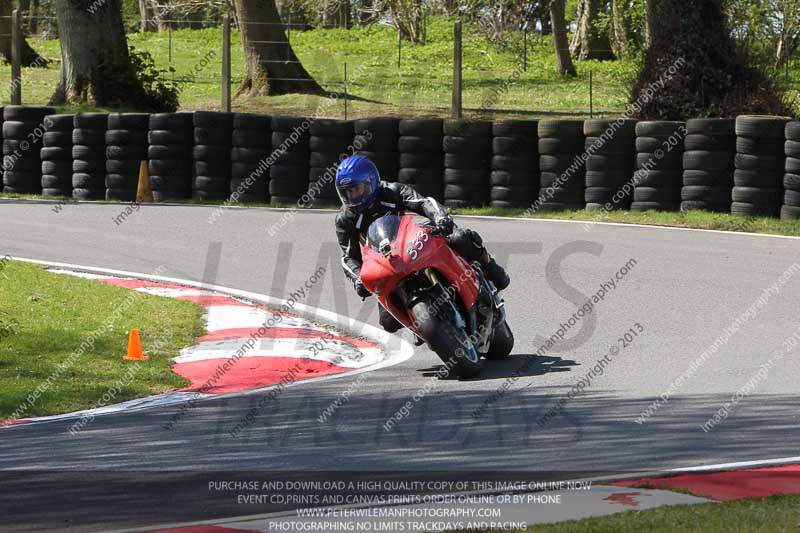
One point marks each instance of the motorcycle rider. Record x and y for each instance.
(366, 198)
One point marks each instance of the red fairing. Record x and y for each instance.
(414, 250)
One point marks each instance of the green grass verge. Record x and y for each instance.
(691, 219)
(768, 515)
(48, 320)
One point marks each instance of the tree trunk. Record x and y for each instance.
(269, 68)
(589, 42)
(35, 14)
(619, 35)
(95, 66)
(560, 41)
(327, 13)
(29, 56)
(143, 16)
(344, 14)
(790, 32)
(575, 43)
(692, 67)
(650, 24)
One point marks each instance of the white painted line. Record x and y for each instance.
(744, 465)
(335, 352)
(234, 316)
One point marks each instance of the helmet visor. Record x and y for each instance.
(355, 194)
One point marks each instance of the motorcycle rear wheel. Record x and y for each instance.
(451, 343)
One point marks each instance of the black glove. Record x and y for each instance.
(361, 290)
(444, 224)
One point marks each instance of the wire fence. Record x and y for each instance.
(393, 77)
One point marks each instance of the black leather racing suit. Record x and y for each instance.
(395, 198)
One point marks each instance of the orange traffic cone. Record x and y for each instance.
(135, 347)
(144, 193)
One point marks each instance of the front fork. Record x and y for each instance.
(480, 320)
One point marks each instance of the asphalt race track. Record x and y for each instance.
(684, 289)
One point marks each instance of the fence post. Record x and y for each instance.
(289, 39)
(399, 46)
(16, 59)
(591, 94)
(345, 90)
(525, 49)
(455, 107)
(169, 36)
(226, 62)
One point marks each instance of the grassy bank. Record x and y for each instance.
(495, 83)
(46, 323)
(779, 513)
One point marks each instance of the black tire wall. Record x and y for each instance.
(22, 131)
(169, 154)
(89, 156)
(514, 178)
(760, 166)
(56, 156)
(251, 146)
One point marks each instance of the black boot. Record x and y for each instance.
(496, 274)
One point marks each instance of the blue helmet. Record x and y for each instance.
(357, 182)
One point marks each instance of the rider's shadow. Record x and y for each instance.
(519, 365)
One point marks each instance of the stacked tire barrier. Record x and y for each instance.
(758, 178)
(56, 155)
(212, 155)
(169, 155)
(289, 174)
(747, 166)
(23, 127)
(329, 142)
(708, 164)
(562, 181)
(659, 165)
(791, 179)
(89, 156)
(251, 145)
(467, 150)
(377, 138)
(420, 155)
(514, 179)
(611, 149)
(126, 148)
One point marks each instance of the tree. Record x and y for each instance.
(560, 41)
(269, 68)
(626, 26)
(96, 66)
(788, 21)
(29, 56)
(693, 68)
(405, 15)
(589, 41)
(335, 13)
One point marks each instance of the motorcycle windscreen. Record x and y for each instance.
(383, 230)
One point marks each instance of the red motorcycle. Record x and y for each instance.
(435, 293)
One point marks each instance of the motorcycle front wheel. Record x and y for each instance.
(451, 343)
(502, 342)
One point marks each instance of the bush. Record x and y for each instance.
(159, 96)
